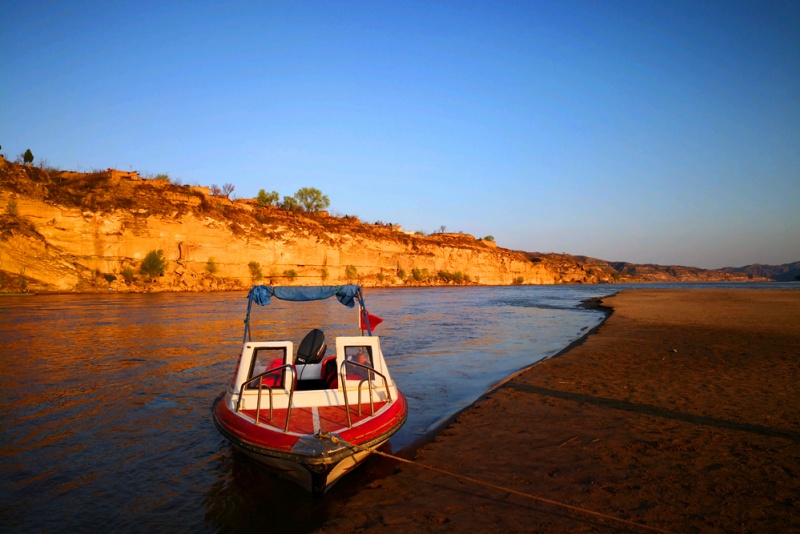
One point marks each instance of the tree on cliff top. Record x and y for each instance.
(267, 199)
(290, 204)
(312, 199)
(27, 157)
(154, 264)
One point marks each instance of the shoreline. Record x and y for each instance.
(679, 412)
(595, 303)
(621, 285)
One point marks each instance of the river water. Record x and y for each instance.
(106, 424)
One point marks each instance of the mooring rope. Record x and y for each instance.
(338, 440)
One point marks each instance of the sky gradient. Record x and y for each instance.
(644, 131)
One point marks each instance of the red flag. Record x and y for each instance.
(374, 320)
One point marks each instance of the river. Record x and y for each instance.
(106, 422)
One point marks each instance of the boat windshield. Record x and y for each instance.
(268, 358)
(360, 354)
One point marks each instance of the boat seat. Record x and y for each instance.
(329, 374)
(312, 348)
(273, 380)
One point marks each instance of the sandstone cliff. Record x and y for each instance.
(67, 231)
(74, 232)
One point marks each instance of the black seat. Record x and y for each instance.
(312, 348)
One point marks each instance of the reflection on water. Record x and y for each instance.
(105, 420)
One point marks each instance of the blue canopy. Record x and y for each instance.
(262, 295)
(346, 294)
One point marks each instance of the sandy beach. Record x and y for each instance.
(680, 413)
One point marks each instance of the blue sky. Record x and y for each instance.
(645, 131)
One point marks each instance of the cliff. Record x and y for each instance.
(67, 231)
(64, 231)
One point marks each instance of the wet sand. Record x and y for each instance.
(681, 412)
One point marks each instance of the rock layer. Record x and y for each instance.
(66, 231)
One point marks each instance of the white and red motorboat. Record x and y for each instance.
(311, 414)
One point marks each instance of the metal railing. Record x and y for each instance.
(260, 379)
(368, 380)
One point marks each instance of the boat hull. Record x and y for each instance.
(315, 459)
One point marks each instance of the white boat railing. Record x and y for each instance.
(260, 379)
(368, 380)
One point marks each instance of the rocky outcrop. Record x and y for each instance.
(87, 232)
(67, 231)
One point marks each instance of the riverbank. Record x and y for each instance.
(680, 413)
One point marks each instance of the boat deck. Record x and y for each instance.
(311, 420)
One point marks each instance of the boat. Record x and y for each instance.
(315, 413)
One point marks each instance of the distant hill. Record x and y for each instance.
(788, 272)
(622, 272)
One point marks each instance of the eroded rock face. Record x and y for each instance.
(70, 247)
(76, 232)
(66, 231)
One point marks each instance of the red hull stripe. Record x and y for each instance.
(333, 419)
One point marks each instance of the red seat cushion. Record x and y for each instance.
(273, 379)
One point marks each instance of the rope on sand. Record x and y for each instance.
(338, 440)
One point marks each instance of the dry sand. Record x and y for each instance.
(680, 413)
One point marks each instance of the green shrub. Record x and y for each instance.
(518, 281)
(211, 266)
(290, 204)
(267, 199)
(255, 271)
(11, 208)
(128, 275)
(420, 275)
(154, 264)
(109, 277)
(311, 199)
(456, 277)
(291, 274)
(351, 272)
(324, 274)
